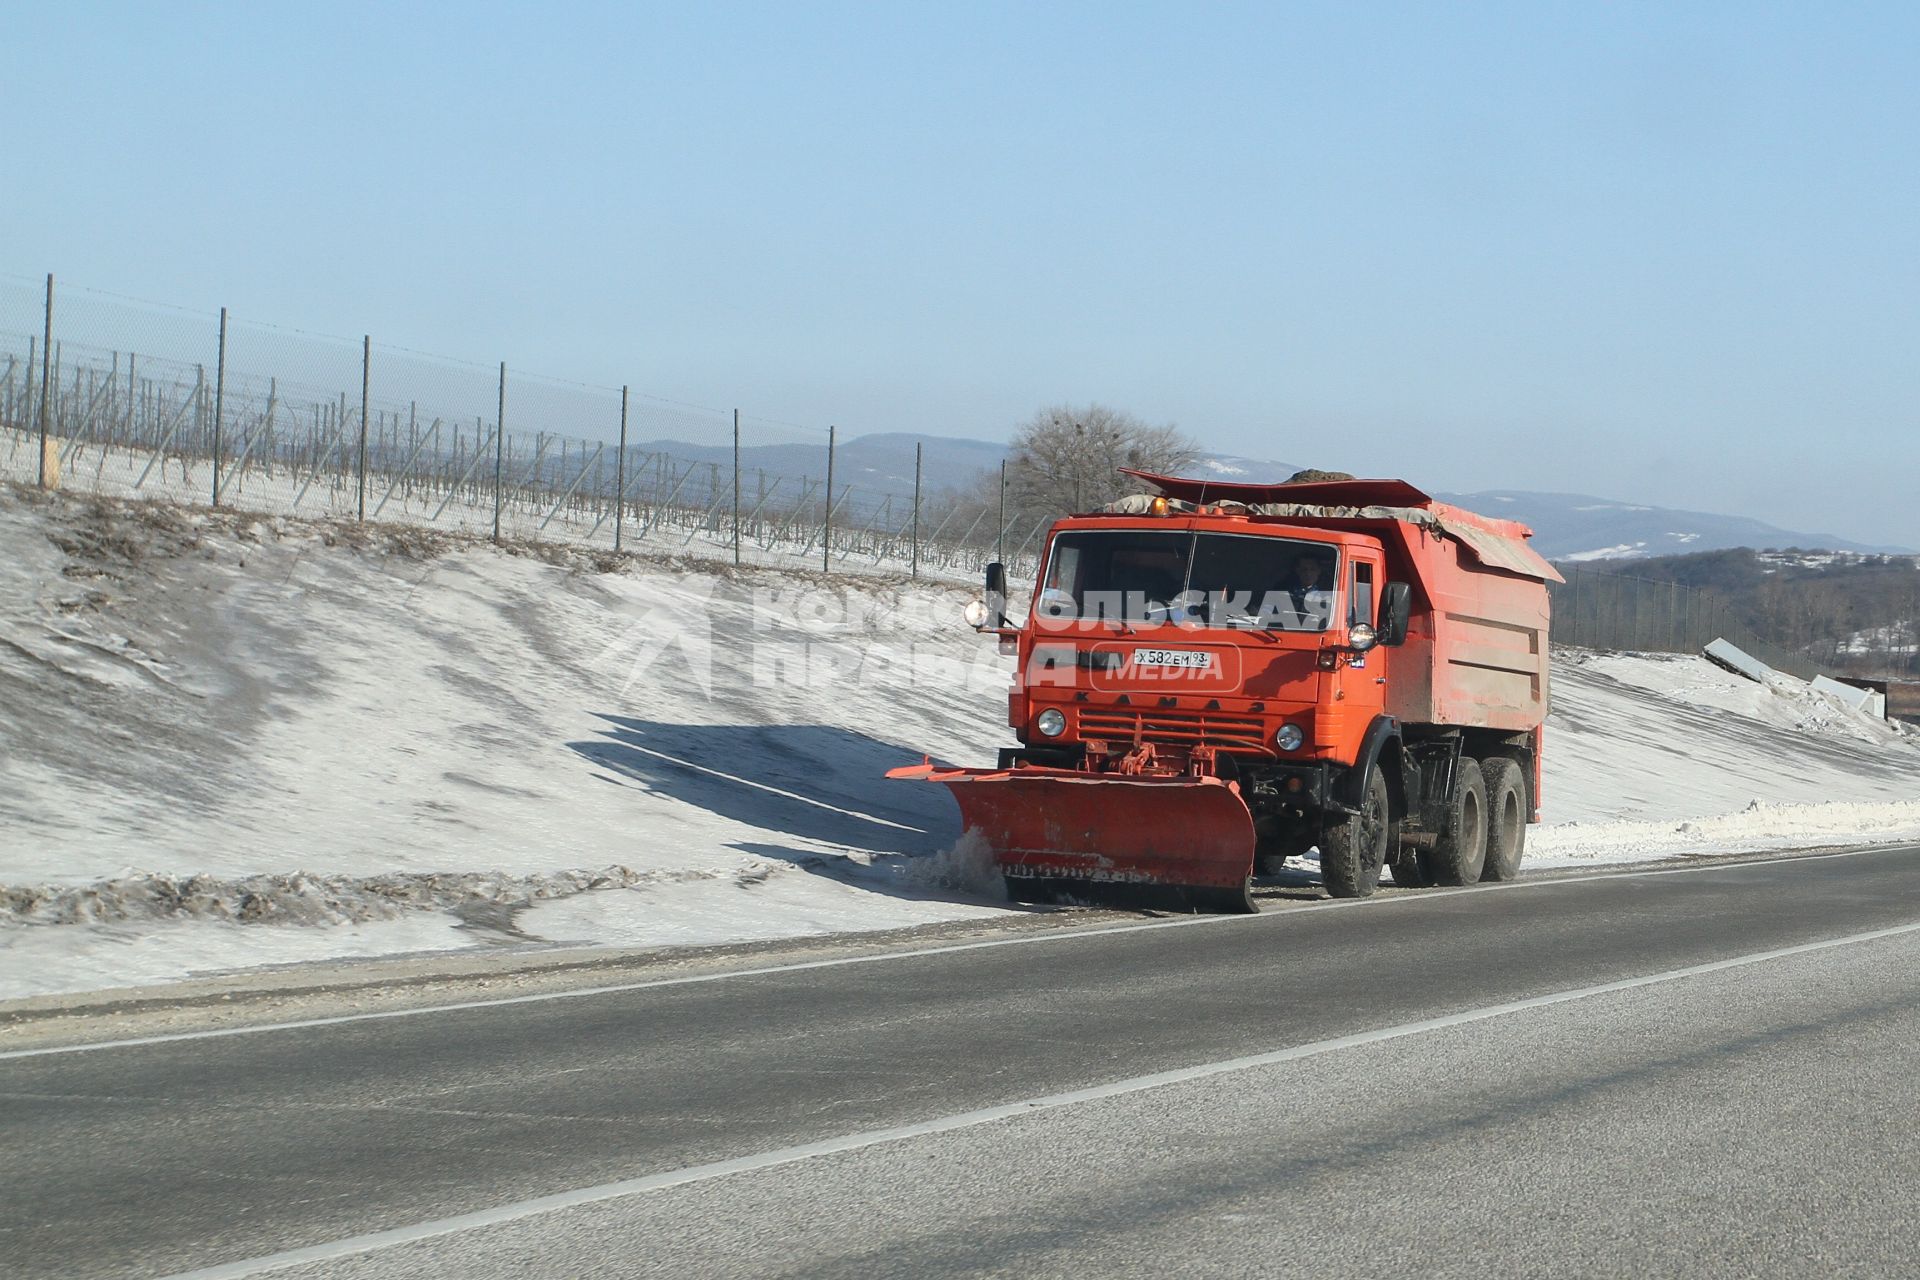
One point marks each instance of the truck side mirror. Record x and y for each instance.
(1396, 609)
(996, 594)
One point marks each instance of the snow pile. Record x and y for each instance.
(229, 740)
(1782, 703)
(1760, 826)
(1655, 735)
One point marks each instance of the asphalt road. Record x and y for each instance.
(1429, 1083)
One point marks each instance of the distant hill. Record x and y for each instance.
(877, 465)
(1578, 527)
(1226, 466)
(1567, 526)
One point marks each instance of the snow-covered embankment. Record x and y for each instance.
(232, 741)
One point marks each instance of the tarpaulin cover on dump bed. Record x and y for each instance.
(1498, 544)
(1496, 550)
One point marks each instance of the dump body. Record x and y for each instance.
(1475, 654)
(1259, 672)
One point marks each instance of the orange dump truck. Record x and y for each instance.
(1222, 675)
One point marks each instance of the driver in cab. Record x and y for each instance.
(1309, 589)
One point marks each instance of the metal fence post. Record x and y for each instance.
(29, 410)
(1000, 539)
(499, 450)
(736, 488)
(366, 365)
(826, 532)
(917, 445)
(219, 403)
(46, 374)
(620, 474)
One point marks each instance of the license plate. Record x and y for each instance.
(1192, 659)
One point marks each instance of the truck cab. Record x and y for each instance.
(1206, 643)
(1217, 676)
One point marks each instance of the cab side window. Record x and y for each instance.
(1361, 609)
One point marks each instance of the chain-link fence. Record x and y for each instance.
(110, 395)
(1602, 609)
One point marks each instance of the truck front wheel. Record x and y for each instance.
(1352, 851)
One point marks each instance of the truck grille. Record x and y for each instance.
(1199, 728)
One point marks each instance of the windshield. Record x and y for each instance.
(1204, 579)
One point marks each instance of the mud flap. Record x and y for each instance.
(1104, 828)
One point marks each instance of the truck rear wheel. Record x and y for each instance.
(1460, 855)
(1506, 817)
(1352, 852)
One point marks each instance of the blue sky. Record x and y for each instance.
(1665, 253)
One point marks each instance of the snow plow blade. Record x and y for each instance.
(1063, 824)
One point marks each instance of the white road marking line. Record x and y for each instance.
(761, 786)
(688, 980)
(378, 1240)
(1065, 935)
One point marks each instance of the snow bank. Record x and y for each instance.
(229, 740)
(1759, 826)
(1650, 737)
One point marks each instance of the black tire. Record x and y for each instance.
(1409, 872)
(1506, 817)
(1352, 852)
(1461, 853)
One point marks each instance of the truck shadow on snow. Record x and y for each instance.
(814, 782)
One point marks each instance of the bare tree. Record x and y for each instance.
(1066, 458)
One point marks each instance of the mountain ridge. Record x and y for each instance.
(1567, 526)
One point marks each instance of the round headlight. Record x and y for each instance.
(975, 613)
(1361, 637)
(1289, 736)
(1051, 723)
